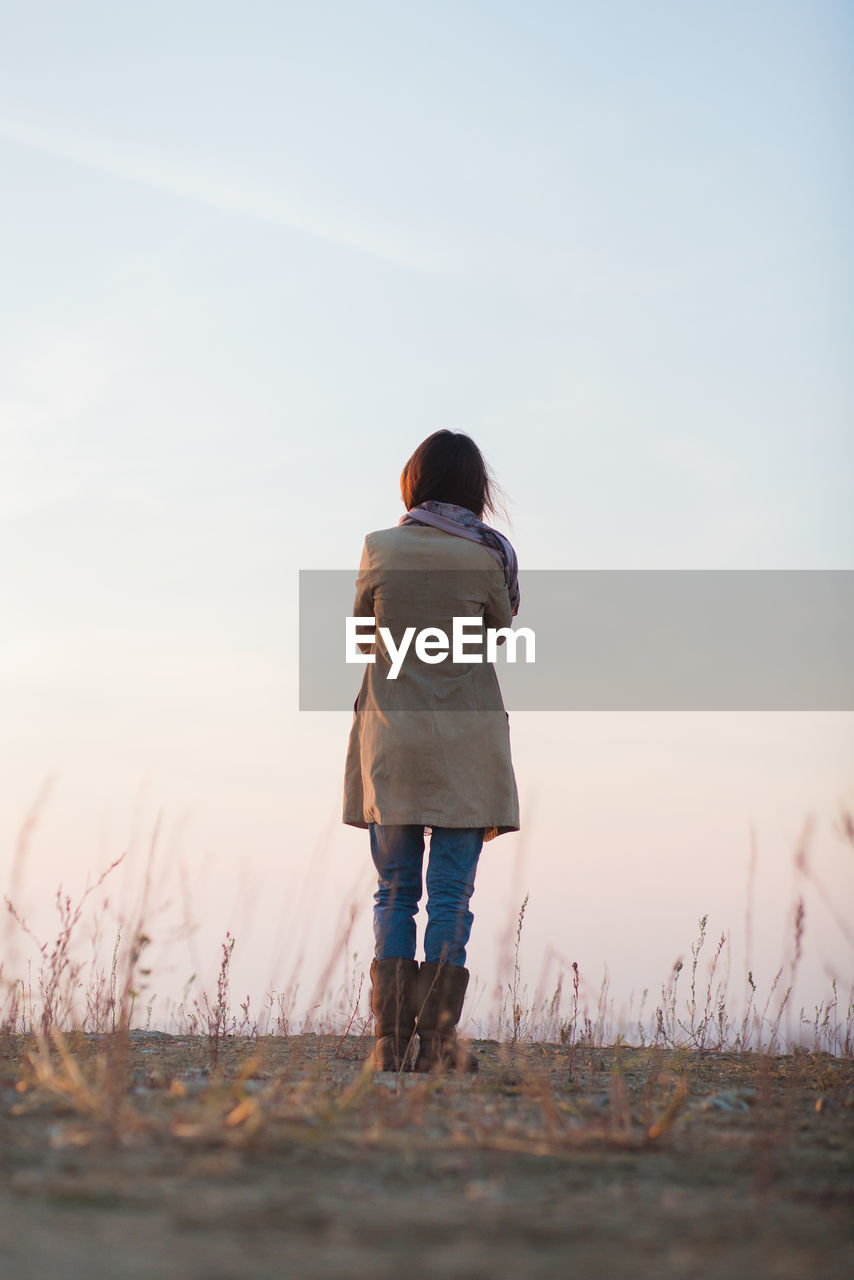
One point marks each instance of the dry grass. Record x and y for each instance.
(87, 1063)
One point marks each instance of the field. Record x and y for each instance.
(143, 1154)
(227, 1146)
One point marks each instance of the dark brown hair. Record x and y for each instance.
(449, 467)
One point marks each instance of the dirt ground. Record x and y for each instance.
(289, 1158)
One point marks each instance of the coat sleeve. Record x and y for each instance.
(497, 611)
(363, 605)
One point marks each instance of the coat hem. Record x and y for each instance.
(491, 829)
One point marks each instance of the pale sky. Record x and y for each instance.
(250, 258)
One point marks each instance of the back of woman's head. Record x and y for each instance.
(448, 467)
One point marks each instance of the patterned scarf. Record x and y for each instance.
(465, 524)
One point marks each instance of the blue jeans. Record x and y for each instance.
(398, 854)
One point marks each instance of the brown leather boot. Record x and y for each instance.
(441, 991)
(393, 996)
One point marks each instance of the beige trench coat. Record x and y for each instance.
(432, 746)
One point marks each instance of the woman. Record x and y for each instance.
(430, 746)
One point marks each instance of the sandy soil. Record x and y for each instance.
(291, 1159)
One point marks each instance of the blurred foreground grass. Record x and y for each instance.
(129, 1154)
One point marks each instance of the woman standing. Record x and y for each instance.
(430, 748)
